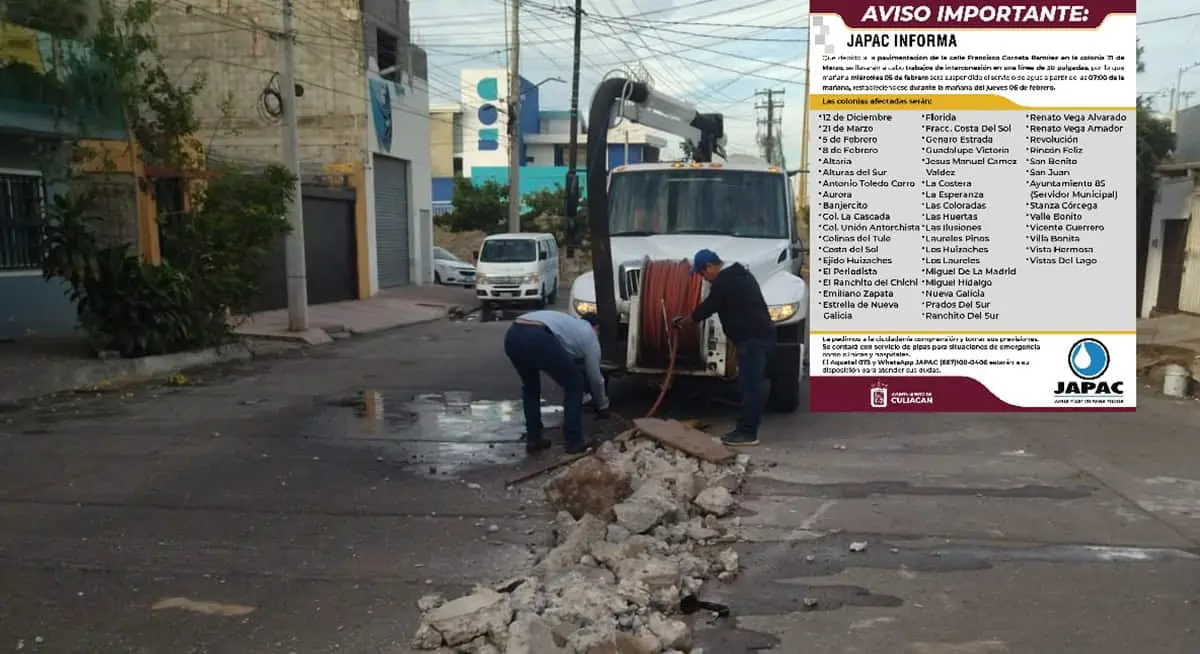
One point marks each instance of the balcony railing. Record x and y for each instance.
(53, 85)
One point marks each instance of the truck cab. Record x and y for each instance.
(742, 211)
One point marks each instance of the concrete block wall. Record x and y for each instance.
(231, 43)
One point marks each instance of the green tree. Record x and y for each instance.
(215, 253)
(545, 212)
(687, 148)
(477, 207)
(1155, 139)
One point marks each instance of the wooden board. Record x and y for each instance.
(675, 434)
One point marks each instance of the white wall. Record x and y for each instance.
(1174, 203)
(543, 155)
(410, 141)
(469, 83)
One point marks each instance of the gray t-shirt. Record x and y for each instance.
(579, 339)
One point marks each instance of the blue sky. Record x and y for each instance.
(713, 53)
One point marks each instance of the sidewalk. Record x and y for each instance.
(389, 309)
(37, 366)
(1168, 340)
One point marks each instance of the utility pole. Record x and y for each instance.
(804, 144)
(770, 142)
(514, 122)
(571, 211)
(297, 268)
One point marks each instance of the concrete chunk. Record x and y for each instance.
(462, 620)
(531, 635)
(715, 500)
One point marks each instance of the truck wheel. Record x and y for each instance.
(487, 312)
(784, 396)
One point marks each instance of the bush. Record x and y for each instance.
(218, 252)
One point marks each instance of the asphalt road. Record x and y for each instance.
(302, 504)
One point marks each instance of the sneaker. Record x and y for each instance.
(739, 439)
(533, 447)
(584, 447)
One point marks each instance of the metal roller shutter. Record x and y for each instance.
(391, 222)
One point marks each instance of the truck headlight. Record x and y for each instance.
(533, 279)
(781, 312)
(584, 308)
(481, 279)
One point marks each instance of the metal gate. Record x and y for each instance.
(330, 252)
(392, 222)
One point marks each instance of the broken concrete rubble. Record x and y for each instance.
(625, 553)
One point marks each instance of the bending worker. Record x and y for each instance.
(734, 295)
(551, 342)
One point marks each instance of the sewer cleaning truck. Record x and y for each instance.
(646, 219)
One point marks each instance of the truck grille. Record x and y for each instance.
(506, 281)
(630, 282)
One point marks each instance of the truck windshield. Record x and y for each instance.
(747, 203)
(508, 250)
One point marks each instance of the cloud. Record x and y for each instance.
(690, 49)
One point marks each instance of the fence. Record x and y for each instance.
(442, 209)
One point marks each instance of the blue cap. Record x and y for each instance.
(702, 260)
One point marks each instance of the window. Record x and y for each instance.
(22, 206)
(458, 167)
(508, 250)
(442, 254)
(745, 203)
(387, 54)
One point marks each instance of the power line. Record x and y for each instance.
(1168, 19)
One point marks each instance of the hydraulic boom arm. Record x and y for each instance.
(638, 103)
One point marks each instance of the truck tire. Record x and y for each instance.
(786, 369)
(487, 313)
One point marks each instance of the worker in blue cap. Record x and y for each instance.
(734, 295)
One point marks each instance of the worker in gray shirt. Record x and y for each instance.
(551, 342)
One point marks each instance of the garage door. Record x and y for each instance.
(392, 222)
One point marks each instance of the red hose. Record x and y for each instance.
(668, 289)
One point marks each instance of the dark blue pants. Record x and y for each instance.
(752, 358)
(532, 349)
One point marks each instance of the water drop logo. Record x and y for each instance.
(1088, 359)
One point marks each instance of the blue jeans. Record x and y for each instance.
(752, 358)
(532, 349)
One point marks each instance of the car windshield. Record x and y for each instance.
(745, 203)
(508, 250)
(444, 255)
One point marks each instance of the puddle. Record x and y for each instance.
(436, 434)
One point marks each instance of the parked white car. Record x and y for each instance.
(449, 269)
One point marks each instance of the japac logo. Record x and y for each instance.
(1088, 360)
(879, 395)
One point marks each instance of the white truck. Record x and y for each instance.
(743, 211)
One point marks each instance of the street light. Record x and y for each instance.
(514, 156)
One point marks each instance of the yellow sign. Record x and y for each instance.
(20, 44)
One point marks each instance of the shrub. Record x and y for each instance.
(218, 252)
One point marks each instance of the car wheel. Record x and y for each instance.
(437, 277)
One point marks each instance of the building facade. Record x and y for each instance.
(363, 116)
(37, 163)
(475, 138)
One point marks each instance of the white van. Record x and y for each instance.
(516, 272)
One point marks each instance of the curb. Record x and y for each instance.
(113, 372)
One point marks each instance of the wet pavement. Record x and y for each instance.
(302, 504)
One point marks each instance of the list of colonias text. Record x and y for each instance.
(950, 218)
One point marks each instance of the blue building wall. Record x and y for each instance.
(28, 303)
(443, 189)
(532, 179)
(616, 155)
(528, 120)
